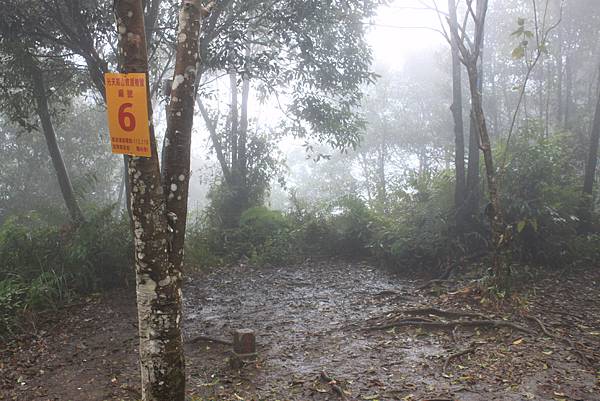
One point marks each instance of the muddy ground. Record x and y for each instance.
(326, 319)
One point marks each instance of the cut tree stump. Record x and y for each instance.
(244, 348)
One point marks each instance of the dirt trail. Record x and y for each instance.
(310, 319)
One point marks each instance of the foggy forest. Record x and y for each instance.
(285, 200)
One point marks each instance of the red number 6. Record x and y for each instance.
(126, 119)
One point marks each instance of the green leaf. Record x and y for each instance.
(534, 224)
(518, 32)
(521, 225)
(518, 52)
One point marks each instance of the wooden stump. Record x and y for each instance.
(244, 348)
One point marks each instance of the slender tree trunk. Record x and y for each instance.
(233, 134)
(243, 139)
(569, 92)
(494, 210)
(471, 58)
(43, 112)
(176, 171)
(217, 145)
(472, 201)
(459, 138)
(559, 80)
(586, 207)
(381, 179)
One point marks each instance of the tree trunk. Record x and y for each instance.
(243, 139)
(39, 91)
(586, 207)
(459, 139)
(494, 210)
(176, 171)
(568, 92)
(381, 179)
(559, 80)
(472, 202)
(472, 192)
(158, 244)
(471, 58)
(233, 133)
(214, 137)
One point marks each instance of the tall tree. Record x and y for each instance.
(457, 115)
(312, 57)
(586, 208)
(159, 203)
(43, 112)
(22, 75)
(470, 51)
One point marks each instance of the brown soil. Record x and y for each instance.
(313, 319)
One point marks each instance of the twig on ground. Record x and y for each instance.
(539, 322)
(458, 354)
(333, 384)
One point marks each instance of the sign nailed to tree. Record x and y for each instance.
(127, 101)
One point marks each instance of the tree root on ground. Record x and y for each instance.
(433, 282)
(458, 318)
(572, 345)
(209, 339)
(452, 325)
(442, 313)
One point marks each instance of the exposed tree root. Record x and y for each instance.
(442, 313)
(452, 325)
(210, 339)
(580, 355)
(433, 282)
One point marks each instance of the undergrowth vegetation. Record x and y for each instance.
(417, 231)
(44, 266)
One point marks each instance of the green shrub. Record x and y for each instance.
(419, 233)
(541, 191)
(43, 266)
(266, 236)
(13, 296)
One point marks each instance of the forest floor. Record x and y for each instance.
(329, 331)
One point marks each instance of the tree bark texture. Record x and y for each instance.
(41, 100)
(158, 244)
(176, 170)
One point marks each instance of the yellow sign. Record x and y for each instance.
(128, 113)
